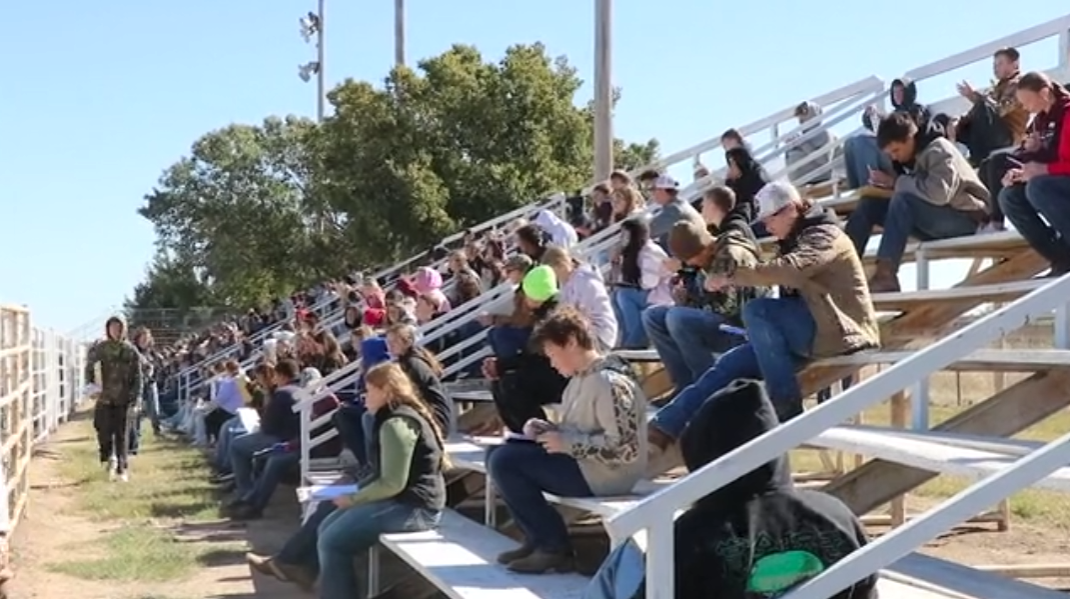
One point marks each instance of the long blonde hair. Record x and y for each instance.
(398, 387)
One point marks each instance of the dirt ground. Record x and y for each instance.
(56, 532)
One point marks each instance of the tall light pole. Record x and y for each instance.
(399, 33)
(312, 24)
(603, 89)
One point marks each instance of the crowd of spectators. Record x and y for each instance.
(692, 282)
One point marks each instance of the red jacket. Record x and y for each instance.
(1053, 128)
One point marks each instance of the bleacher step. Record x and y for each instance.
(932, 454)
(459, 558)
(958, 580)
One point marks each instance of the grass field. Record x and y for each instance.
(142, 519)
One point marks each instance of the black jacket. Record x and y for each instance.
(758, 536)
(430, 387)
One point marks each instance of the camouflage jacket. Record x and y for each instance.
(116, 366)
(733, 249)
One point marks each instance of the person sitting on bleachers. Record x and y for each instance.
(862, 154)
(278, 423)
(643, 281)
(423, 369)
(1039, 189)
(626, 202)
(824, 310)
(673, 209)
(531, 240)
(405, 492)
(809, 114)
(995, 120)
(745, 177)
(522, 380)
(688, 336)
(582, 287)
(757, 536)
(349, 419)
(460, 263)
(731, 139)
(561, 233)
(283, 457)
(937, 195)
(596, 448)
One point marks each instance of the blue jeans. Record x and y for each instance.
(230, 430)
(630, 303)
(522, 472)
(1045, 196)
(686, 339)
(241, 459)
(620, 576)
(912, 216)
(150, 408)
(507, 340)
(300, 549)
(780, 336)
(861, 153)
(276, 465)
(354, 425)
(347, 533)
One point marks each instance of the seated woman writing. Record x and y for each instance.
(596, 447)
(406, 494)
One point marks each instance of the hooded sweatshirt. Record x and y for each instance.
(755, 538)
(751, 179)
(373, 352)
(758, 536)
(603, 422)
(586, 291)
(798, 151)
(560, 232)
(114, 364)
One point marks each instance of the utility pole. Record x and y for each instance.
(399, 33)
(312, 24)
(603, 89)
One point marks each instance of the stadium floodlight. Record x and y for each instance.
(305, 71)
(310, 25)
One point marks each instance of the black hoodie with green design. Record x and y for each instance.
(757, 537)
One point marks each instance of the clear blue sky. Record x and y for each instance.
(99, 97)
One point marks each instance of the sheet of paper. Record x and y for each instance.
(325, 492)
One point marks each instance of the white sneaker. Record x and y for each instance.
(124, 477)
(113, 468)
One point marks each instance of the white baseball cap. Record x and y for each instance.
(774, 197)
(665, 182)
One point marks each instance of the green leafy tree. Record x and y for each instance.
(454, 143)
(258, 211)
(238, 209)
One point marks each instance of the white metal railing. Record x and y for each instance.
(848, 101)
(655, 513)
(40, 381)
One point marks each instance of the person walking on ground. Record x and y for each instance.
(113, 369)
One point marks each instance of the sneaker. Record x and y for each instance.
(124, 477)
(113, 468)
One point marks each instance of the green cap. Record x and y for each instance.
(540, 284)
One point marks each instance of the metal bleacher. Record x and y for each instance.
(458, 558)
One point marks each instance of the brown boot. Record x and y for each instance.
(507, 557)
(885, 279)
(542, 562)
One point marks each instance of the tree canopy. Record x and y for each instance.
(255, 211)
